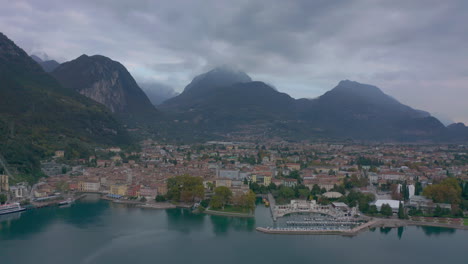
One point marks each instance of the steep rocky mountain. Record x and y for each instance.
(109, 83)
(226, 101)
(47, 65)
(39, 116)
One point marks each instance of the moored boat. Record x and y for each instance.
(11, 208)
(66, 202)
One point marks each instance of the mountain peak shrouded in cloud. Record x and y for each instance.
(445, 119)
(220, 76)
(47, 65)
(206, 83)
(36, 58)
(157, 92)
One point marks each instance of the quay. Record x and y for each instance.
(157, 206)
(272, 202)
(53, 202)
(305, 231)
(374, 223)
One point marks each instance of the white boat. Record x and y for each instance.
(66, 202)
(11, 208)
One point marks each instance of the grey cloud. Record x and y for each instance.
(414, 50)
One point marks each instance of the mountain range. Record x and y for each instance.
(225, 101)
(221, 103)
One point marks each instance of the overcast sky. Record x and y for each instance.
(416, 51)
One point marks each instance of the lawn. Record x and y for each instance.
(232, 209)
(465, 221)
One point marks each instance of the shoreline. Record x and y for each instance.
(219, 213)
(157, 206)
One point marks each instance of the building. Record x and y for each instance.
(89, 186)
(425, 204)
(224, 182)
(332, 195)
(133, 191)
(289, 182)
(261, 179)
(118, 189)
(59, 154)
(394, 204)
(4, 186)
(162, 189)
(115, 149)
(230, 174)
(43, 190)
(341, 206)
(293, 166)
(148, 193)
(19, 191)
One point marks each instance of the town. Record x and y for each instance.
(418, 181)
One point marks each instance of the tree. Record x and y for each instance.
(303, 193)
(339, 188)
(210, 185)
(447, 191)
(386, 210)
(222, 195)
(248, 200)
(185, 188)
(438, 211)
(401, 211)
(272, 186)
(286, 192)
(465, 190)
(315, 190)
(418, 188)
(160, 198)
(294, 175)
(216, 202)
(372, 210)
(3, 198)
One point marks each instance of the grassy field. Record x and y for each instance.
(466, 221)
(232, 209)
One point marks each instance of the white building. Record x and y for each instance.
(394, 204)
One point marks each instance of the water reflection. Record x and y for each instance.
(400, 232)
(385, 230)
(6, 220)
(184, 220)
(221, 224)
(437, 231)
(10, 217)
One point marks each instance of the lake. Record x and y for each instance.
(98, 231)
